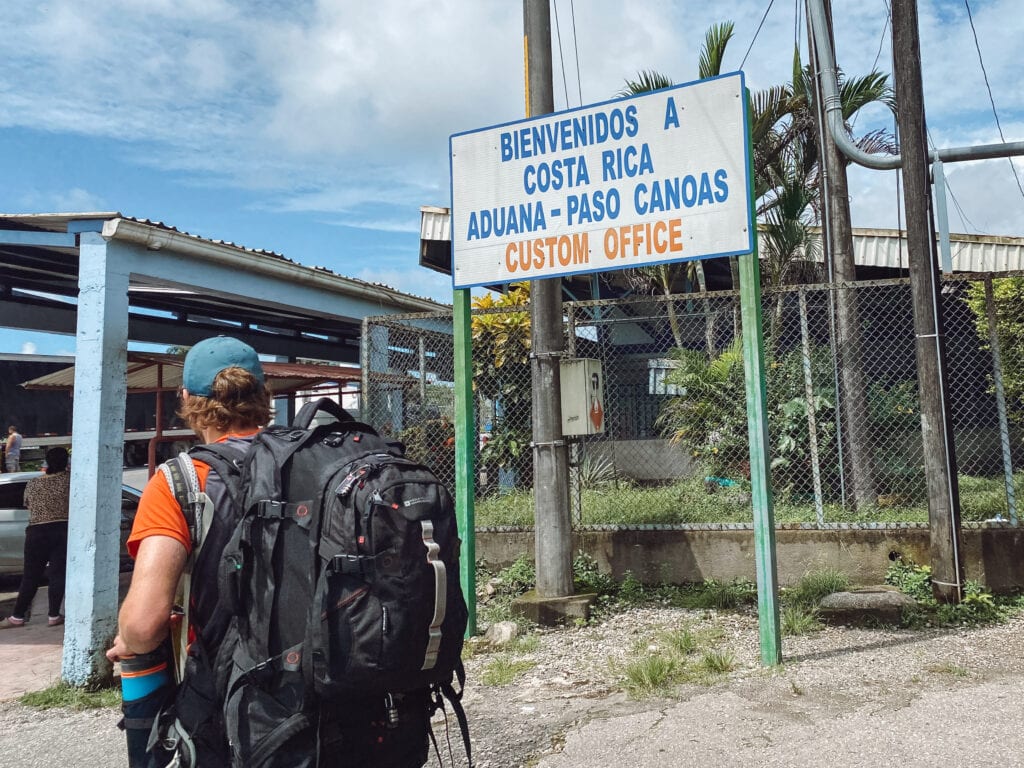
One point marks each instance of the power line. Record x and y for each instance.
(770, 3)
(561, 58)
(881, 40)
(992, 101)
(878, 53)
(576, 49)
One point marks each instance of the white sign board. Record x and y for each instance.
(642, 180)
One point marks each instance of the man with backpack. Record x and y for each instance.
(285, 575)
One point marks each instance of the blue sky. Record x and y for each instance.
(317, 128)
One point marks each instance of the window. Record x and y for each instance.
(657, 372)
(12, 495)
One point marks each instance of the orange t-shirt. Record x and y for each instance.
(159, 513)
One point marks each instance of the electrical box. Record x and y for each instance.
(582, 396)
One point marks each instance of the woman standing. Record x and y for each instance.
(46, 539)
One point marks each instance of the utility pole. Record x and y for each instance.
(857, 459)
(552, 526)
(936, 423)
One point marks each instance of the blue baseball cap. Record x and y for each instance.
(211, 356)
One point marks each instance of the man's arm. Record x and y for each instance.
(145, 616)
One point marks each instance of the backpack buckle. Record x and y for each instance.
(351, 565)
(270, 508)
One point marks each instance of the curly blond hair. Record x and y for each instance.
(237, 400)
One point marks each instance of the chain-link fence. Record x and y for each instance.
(844, 420)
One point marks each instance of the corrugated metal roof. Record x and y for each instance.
(58, 222)
(435, 223)
(970, 253)
(871, 247)
(150, 371)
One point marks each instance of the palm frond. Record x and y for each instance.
(716, 40)
(873, 88)
(645, 82)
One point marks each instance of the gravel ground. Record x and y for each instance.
(552, 713)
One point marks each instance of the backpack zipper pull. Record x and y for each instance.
(392, 710)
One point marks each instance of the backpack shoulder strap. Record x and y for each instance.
(227, 461)
(196, 506)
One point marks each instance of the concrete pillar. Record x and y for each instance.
(97, 455)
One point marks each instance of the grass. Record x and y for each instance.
(949, 668)
(815, 585)
(688, 502)
(504, 668)
(656, 665)
(62, 695)
(798, 620)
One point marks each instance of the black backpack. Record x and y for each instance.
(341, 615)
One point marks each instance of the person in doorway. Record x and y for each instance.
(46, 540)
(12, 450)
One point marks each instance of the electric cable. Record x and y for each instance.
(878, 53)
(765, 16)
(992, 100)
(561, 58)
(576, 50)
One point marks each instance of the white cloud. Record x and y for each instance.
(326, 106)
(28, 348)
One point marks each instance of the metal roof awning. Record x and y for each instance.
(155, 372)
(311, 312)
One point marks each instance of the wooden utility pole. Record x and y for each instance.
(552, 525)
(936, 424)
(857, 459)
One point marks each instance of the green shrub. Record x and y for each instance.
(631, 590)
(977, 607)
(911, 579)
(587, 577)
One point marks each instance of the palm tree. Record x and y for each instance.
(662, 277)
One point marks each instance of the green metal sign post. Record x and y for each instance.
(465, 437)
(757, 428)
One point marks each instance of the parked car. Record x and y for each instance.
(14, 519)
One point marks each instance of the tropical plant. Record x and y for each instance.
(501, 374)
(709, 417)
(1008, 297)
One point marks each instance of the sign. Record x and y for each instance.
(647, 179)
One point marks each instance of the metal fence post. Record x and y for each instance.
(812, 426)
(997, 377)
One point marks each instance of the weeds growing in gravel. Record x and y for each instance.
(70, 697)
(949, 668)
(657, 664)
(815, 585)
(503, 668)
(718, 662)
(797, 619)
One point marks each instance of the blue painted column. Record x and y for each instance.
(96, 461)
